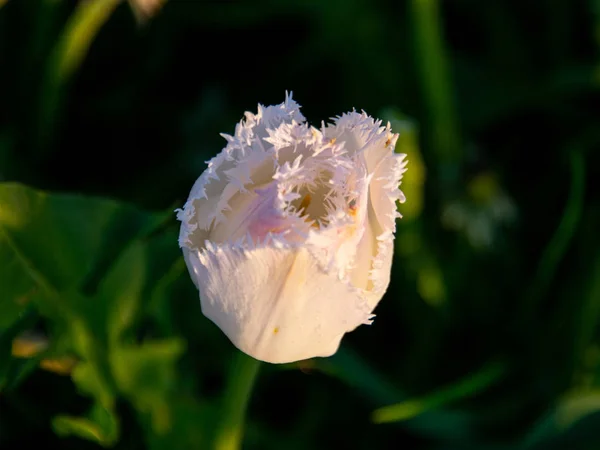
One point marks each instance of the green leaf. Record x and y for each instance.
(146, 376)
(53, 243)
(92, 377)
(559, 244)
(464, 388)
(434, 71)
(79, 33)
(354, 371)
(357, 374)
(576, 406)
(574, 419)
(165, 268)
(13, 296)
(67, 56)
(100, 426)
(84, 263)
(120, 292)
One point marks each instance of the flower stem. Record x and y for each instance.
(242, 376)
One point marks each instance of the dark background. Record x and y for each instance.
(489, 327)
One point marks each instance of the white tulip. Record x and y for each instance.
(288, 234)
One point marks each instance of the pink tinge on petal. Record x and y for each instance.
(268, 224)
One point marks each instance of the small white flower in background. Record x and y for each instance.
(288, 234)
(482, 213)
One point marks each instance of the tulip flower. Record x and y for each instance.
(288, 234)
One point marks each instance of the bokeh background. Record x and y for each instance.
(488, 335)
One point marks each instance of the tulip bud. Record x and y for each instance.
(288, 234)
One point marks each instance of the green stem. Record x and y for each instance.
(242, 376)
(431, 61)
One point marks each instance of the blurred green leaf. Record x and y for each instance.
(165, 268)
(356, 373)
(82, 262)
(576, 406)
(121, 290)
(101, 426)
(146, 375)
(559, 243)
(52, 243)
(111, 366)
(114, 366)
(78, 34)
(432, 62)
(66, 57)
(467, 387)
(90, 381)
(572, 423)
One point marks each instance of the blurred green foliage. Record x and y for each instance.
(488, 335)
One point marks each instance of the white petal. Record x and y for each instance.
(269, 117)
(245, 161)
(277, 305)
(384, 191)
(373, 147)
(366, 250)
